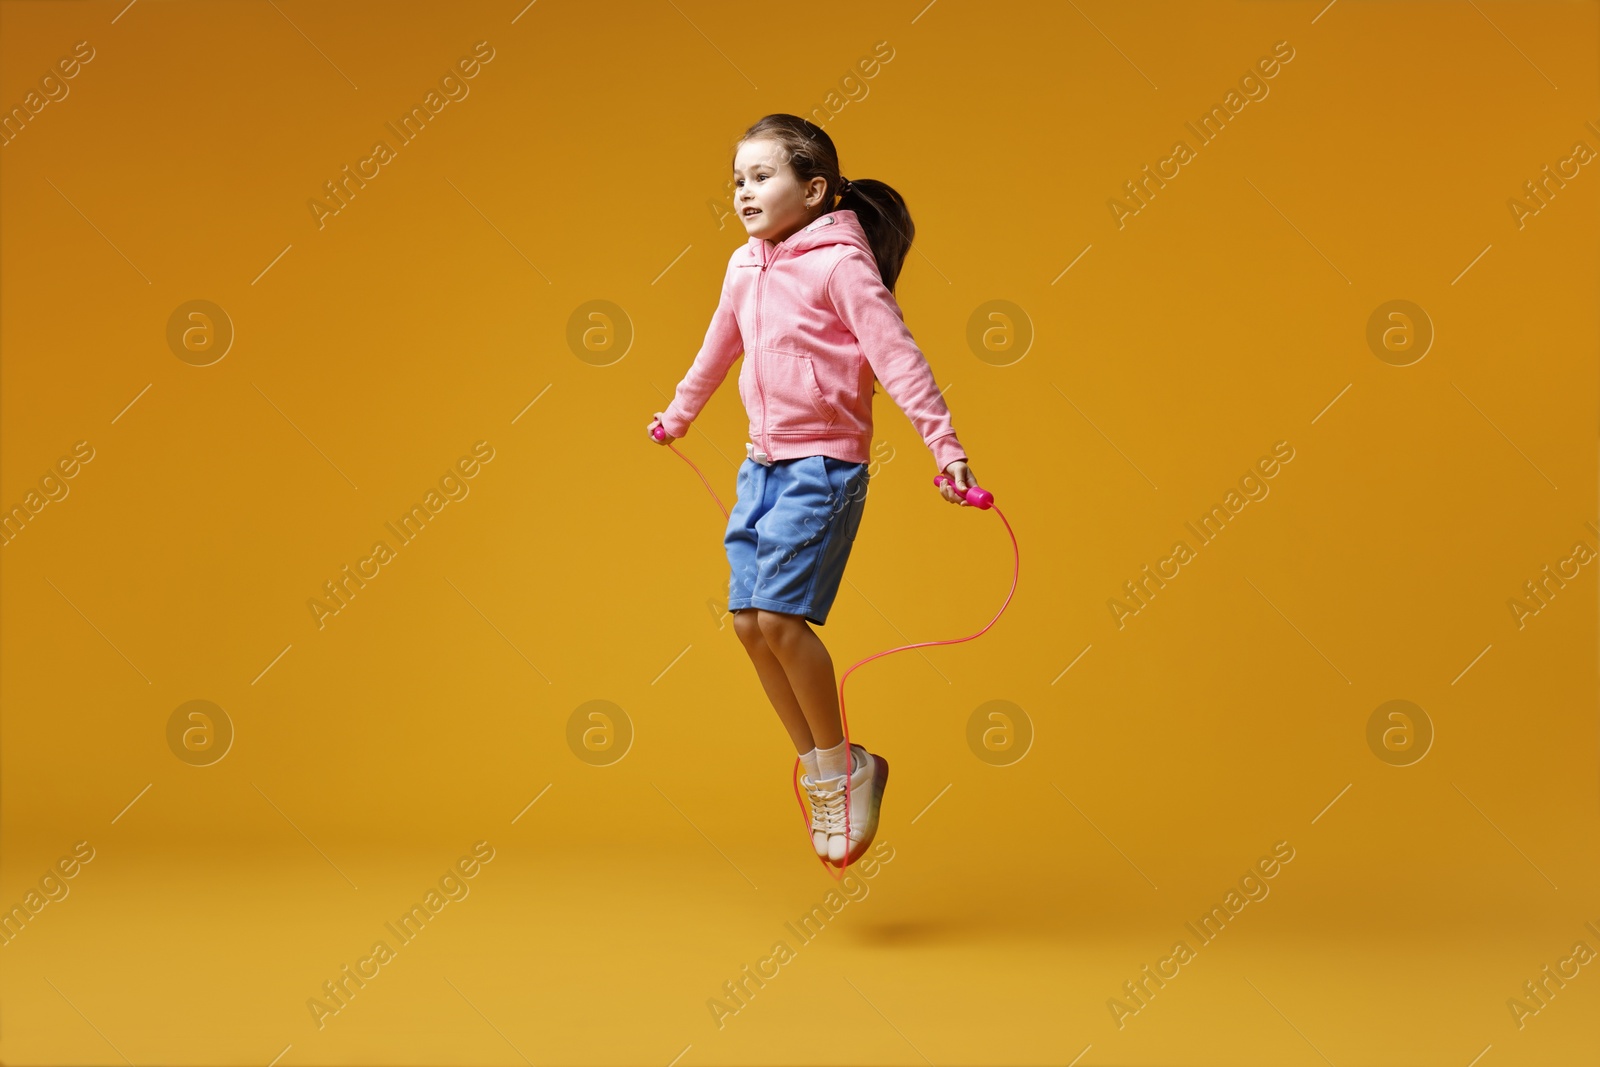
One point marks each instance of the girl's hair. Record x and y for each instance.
(881, 210)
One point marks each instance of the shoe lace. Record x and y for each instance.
(818, 819)
(827, 808)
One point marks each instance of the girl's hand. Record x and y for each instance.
(964, 479)
(665, 436)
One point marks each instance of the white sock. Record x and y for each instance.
(835, 762)
(808, 761)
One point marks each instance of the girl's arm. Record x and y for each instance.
(869, 310)
(721, 346)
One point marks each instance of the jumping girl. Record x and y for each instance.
(809, 300)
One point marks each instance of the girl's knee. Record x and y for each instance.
(747, 626)
(777, 626)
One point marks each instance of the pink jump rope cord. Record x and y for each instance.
(976, 497)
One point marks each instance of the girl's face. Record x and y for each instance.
(768, 195)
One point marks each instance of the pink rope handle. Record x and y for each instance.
(844, 721)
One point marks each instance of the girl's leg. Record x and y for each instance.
(774, 679)
(808, 672)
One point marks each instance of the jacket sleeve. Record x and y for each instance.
(869, 311)
(721, 347)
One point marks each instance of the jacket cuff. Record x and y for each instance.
(946, 450)
(673, 423)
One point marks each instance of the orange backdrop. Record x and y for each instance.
(337, 562)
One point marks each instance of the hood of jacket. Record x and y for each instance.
(840, 227)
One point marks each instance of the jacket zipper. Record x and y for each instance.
(765, 443)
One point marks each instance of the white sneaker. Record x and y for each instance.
(818, 800)
(866, 797)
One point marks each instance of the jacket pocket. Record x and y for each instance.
(791, 381)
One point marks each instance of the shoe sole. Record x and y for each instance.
(880, 779)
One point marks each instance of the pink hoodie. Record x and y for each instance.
(817, 327)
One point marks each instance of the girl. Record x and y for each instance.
(808, 299)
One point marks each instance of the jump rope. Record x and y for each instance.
(976, 497)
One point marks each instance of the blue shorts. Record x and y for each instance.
(790, 533)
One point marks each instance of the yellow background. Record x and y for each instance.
(586, 164)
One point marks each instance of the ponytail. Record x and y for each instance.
(887, 221)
